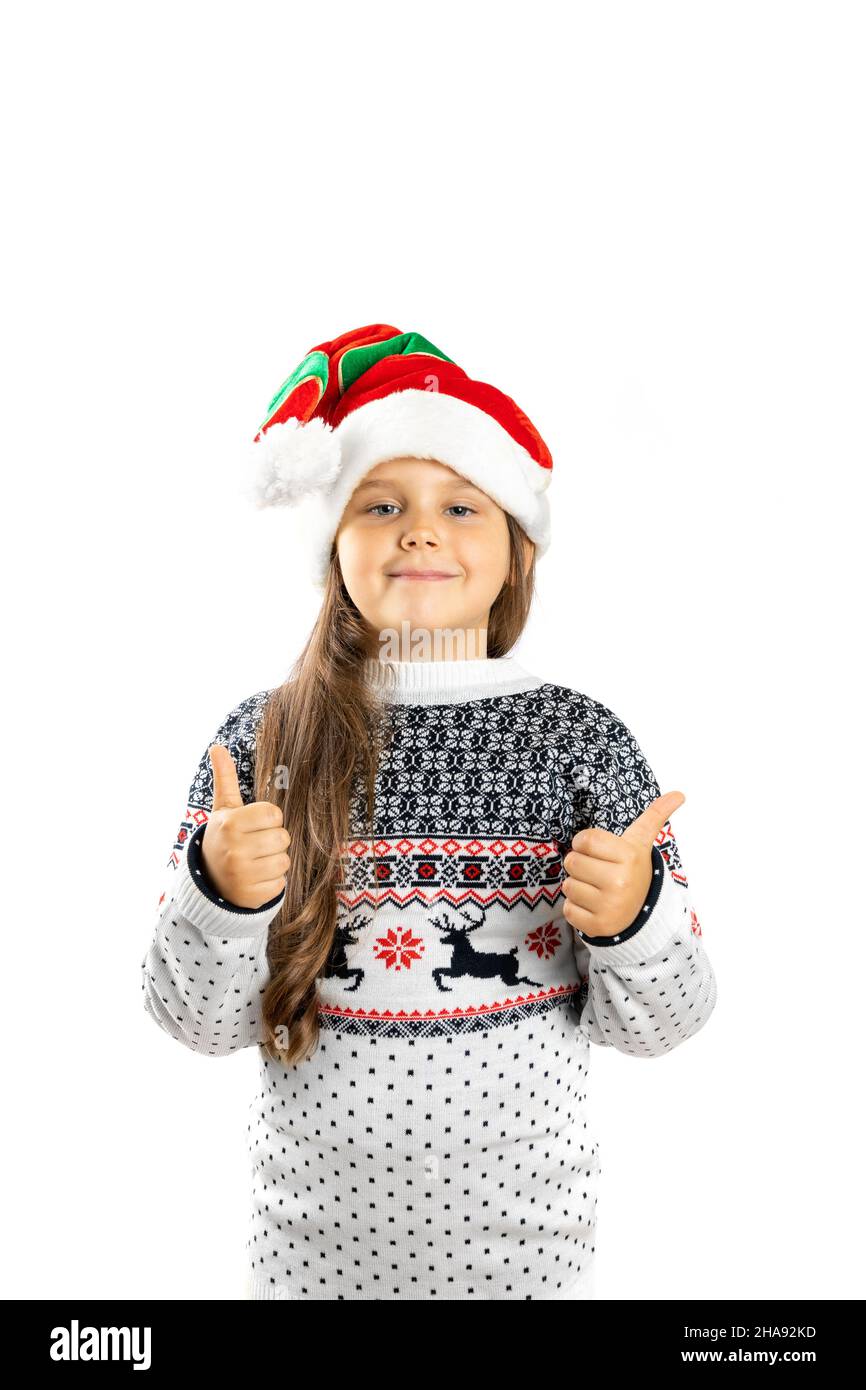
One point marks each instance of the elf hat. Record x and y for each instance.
(375, 394)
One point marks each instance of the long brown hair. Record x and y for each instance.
(323, 728)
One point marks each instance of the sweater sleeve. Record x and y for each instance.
(652, 986)
(206, 968)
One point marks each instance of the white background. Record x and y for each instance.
(646, 223)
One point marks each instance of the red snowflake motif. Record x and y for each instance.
(544, 941)
(399, 948)
(696, 926)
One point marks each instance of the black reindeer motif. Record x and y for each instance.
(465, 960)
(338, 967)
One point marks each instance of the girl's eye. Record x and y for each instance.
(460, 506)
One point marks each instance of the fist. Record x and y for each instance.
(243, 847)
(609, 875)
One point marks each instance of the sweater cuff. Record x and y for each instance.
(197, 900)
(664, 913)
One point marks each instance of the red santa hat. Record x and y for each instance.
(375, 394)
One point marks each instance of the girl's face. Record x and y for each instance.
(409, 517)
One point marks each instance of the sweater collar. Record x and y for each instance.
(447, 682)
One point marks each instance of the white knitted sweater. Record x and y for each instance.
(438, 1143)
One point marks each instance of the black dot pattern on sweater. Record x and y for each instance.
(388, 1169)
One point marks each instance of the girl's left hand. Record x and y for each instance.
(609, 875)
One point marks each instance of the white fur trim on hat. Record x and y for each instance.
(434, 425)
(292, 461)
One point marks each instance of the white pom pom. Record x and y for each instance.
(293, 461)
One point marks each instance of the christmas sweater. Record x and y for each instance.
(439, 1142)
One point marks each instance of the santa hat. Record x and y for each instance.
(375, 394)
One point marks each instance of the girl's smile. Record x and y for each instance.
(420, 574)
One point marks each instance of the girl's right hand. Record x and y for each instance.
(243, 846)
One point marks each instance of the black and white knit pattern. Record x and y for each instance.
(438, 1142)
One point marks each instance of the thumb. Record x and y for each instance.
(226, 789)
(647, 825)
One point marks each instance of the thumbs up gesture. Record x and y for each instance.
(609, 875)
(243, 847)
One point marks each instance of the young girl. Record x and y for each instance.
(419, 878)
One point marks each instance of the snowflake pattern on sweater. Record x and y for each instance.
(438, 1143)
